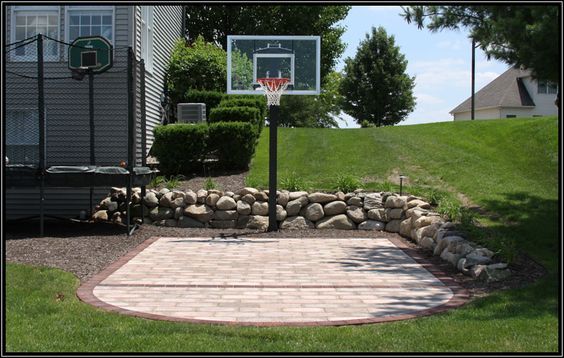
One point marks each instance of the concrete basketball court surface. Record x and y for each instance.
(273, 282)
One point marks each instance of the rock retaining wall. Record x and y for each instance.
(410, 216)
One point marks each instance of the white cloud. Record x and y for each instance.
(451, 45)
(426, 99)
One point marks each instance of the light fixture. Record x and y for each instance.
(401, 178)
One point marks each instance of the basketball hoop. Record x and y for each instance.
(273, 88)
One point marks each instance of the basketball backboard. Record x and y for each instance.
(250, 57)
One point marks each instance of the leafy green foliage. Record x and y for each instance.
(233, 143)
(258, 102)
(347, 183)
(375, 85)
(215, 22)
(235, 114)
(210, 184)
(519, 35)
(199, 65)
(293, 182)
(180, 148)
(210, 98)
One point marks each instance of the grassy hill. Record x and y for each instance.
(507, 167)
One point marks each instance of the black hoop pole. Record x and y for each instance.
(92, 134)
(143, 134)
(41, 111)
(273, 165)
(130, 135)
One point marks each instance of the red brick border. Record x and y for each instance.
(460, 295)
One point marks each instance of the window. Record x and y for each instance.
(90, 21)
(22, 136)
(510, 116)
(147, 36)
(28, 21)
(547, 87)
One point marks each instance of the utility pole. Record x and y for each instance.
(473, 78)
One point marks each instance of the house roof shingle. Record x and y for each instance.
(507, 90)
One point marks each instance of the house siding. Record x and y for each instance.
(167, 28)
(544, 103)
(67, 134)
(488, 113)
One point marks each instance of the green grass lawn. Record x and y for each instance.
(507, 167)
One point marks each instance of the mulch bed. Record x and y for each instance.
(84, 249)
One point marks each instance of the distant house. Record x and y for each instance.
(150, 31)
(513, 94)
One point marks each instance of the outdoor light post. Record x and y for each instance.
(272, 172)
(401, 178)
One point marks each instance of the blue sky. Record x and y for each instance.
(440, 62)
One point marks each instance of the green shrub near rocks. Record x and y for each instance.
(235, 114)
(234, 143)
(258, 102)
(210, 98)
(180, 147)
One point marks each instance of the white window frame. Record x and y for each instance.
(147, 36)
(71, 8)
(34, 10)
(34, 111)
(546, 83)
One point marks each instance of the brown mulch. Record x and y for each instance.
(228, 181)
(84, 249)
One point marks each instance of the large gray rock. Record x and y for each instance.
(283, 198)
(223, 224)
(418, 203)
(190, 198)
(101, 215)
(427, 243)
(321, 198)
(281, 214)
(394, 214)
(242, 221)
(161, 213)
(109, 205)
(445, 242)
(340, 222)
(243, 208)
(185, 221)
(377, 214)
(474, 258)
(426, 221)
(258, 222)
(372, 225)
(356, 214)
(261, 196)
(394, 202)
(178, 213)
(335, 208)
(489, 275)
(393, 226)
(293, 207)
(150, 200)
(340, 195)
(177, 203)
(296, 223)
(415, 213)
(162, 192)
(260, 208)
(226, 215)
(354, 201)
(372, 201)
(246, 191)
(199, 212)
(249, 198)
(405, 228)
(201, 196)
(226, 203)
(166, 199)
(211, 199)
(450, 257)
(314, 212)
(297, 194)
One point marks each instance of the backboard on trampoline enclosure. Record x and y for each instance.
(253, 57)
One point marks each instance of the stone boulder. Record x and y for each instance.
(297, 194)
(212, 199)
(201, 196)
(321, 198)
(296, 223)
(283, 198)
(261, 196)
(394, 214)
(356, 214)
(190, 198)
(427, 243)
(200, 212)
(223, 224)
(371, 225)
(354, 201)
(226, 215)
(426, 221)
(335, 208)
(393, 226)
(226, 203)
(293, 207)
(418, 203)
(314, 212)
(260, 208)
(150, 200)
(377, 214)
(243, 208)
(281, 214)
(394, 202)
(258, 222)
(372, 201)
(249, 198)
(340, 222)
(185, 222)
(161, 213)
(101, 215)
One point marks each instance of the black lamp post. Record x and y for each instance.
(401, 178)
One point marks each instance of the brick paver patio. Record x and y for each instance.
(255, 281)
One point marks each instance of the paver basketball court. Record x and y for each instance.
(255, 281)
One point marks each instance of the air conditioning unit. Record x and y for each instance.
(191, 112)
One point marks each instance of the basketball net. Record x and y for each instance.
(273, 89)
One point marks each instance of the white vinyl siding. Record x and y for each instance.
(28, 21)
(147, 36)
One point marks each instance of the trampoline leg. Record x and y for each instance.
(143, 193)
(91, 212)
(41, 207)
(128, 201)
